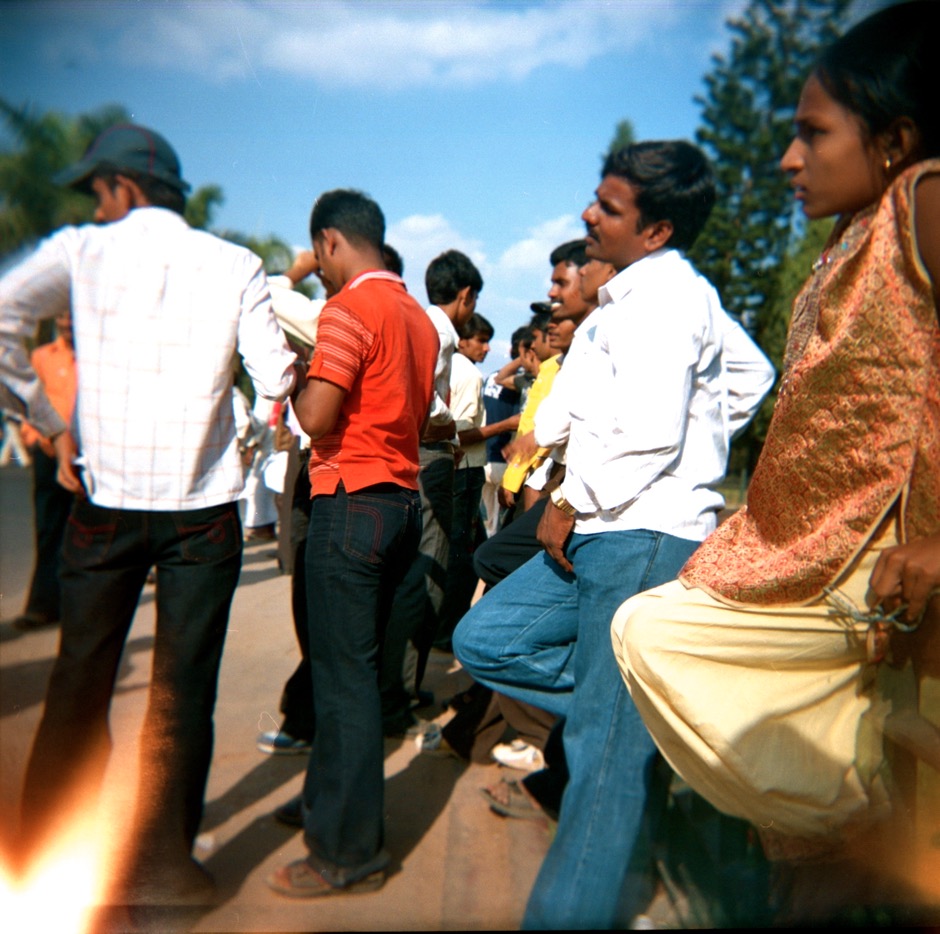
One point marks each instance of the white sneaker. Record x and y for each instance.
(519, 755)
(430, 738)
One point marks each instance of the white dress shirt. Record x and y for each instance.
(440, 413)
(466, 405)
(158, 312)
(653, 387)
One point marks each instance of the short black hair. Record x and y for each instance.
(393, 261)
(158, 193)
(540, 321)
(521, 337)
(475, 326)
(571, 253)
(672, 181)
(880, 70)
(353, 213)
(448, 274)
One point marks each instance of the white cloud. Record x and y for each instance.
(421, 237)
(532, 252)
(515, 279)
(386, 44)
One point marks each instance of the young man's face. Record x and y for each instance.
(561, 328)
(593, 274)
(540, 345)
(564, 287)
(613, 224)
(475, 348)
(326, 270)
(114, 204)
(467, 305)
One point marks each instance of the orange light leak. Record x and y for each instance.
(60, 891)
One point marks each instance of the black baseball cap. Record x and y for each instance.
(132, 148)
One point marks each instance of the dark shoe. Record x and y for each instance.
(279, 743)
(291, 813)
(422, 699)
(403, 726)
(300, 880)
(27, 621)
(260, 533)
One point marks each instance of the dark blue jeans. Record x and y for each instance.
(542, 636)
(106, 555)
(461, 577)
(359, 546)
(51, 507)
(417, 605)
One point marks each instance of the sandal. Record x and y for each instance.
(300, 880)
(517, 804)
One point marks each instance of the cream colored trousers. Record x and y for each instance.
(772, 714)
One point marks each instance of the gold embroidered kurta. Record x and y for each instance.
(856, 427)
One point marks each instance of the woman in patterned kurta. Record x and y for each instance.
(757, 672)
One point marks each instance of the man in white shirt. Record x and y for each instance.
(650, 411)
(159, 310)
(453, 283)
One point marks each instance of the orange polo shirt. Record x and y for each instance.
(376, 342)
(54, 364)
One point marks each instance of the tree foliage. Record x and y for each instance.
(751, 93)
(624, 135)
(747, 123)
(31, 204)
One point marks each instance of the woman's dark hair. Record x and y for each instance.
(881, 70)
(672, 181)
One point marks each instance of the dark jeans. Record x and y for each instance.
(461, 577)
(417, 603)
(511, 546)
(297, 697)
(51, 506)
(106, 555)
(359, 546)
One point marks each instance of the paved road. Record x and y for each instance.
(456, 866)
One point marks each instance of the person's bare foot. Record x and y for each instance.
(511, 799)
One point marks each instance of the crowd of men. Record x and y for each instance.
(582, 472)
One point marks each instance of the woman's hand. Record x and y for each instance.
(908, 575)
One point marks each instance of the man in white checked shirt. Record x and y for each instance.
(159, 310)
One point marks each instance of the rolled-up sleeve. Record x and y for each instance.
(261, 342)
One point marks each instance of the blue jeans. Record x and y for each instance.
(543, 636)
(106, 555)
(359, 546)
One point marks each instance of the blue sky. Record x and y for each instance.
(475, 125)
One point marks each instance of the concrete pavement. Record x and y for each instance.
(455, 865)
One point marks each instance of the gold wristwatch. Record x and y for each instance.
(558, 498)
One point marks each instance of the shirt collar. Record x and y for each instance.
(627, 279)
(374, 274)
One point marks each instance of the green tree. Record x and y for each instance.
(31, 204)
(201, 206)
(747, 123)
(624, 135)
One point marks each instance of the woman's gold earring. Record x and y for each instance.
(887, 164)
